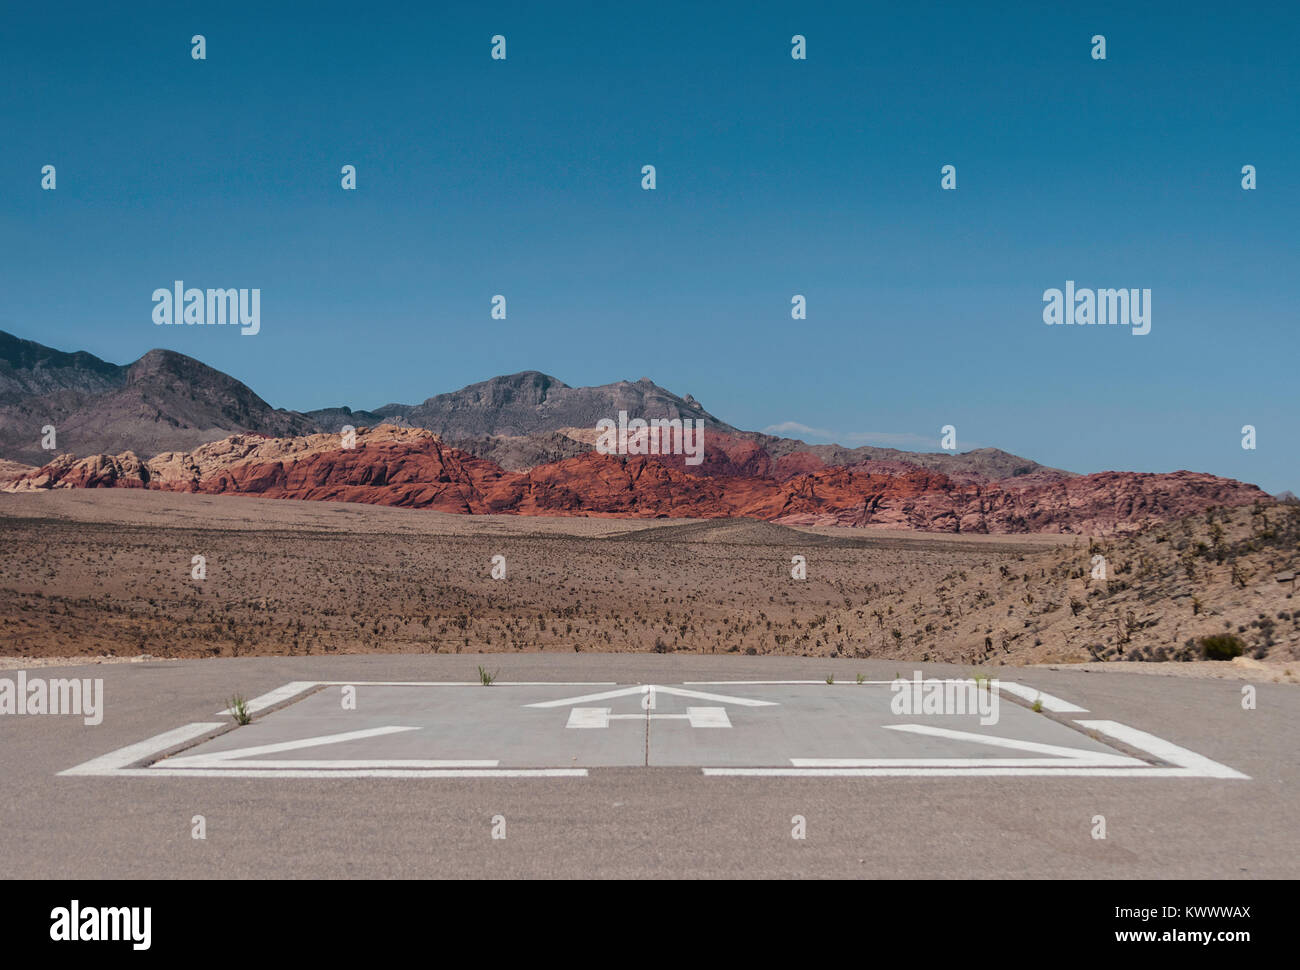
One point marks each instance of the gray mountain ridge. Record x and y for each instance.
(166, 401)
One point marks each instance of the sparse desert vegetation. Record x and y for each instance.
(109, 573)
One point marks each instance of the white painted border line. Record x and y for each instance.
(902, 772)
(296, 687)
(822, 682)
(865, 683)
(1102, 761)
(838, 683)
(211, 761)
(271, 698)
(360, 773)
(465, 683)
(759, 683)
(1164, 750)
(1050, 703)
(115, 762)
(1031, 694)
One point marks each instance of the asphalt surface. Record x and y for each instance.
(616, 817)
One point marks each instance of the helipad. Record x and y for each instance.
(769, 728)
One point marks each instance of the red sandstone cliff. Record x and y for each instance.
(412, 468)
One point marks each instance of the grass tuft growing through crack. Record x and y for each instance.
(238, 708)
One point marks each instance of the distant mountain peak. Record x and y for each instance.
(162, 361)
(32, 367)
(533, 403)
(165, 401)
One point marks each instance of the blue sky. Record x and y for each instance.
(775, 177)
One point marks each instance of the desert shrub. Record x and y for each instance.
(1156, 653)
(1222, 646)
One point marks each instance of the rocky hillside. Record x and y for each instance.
(163, 401)
(1210, 586)
(413, 468)
(531, 403)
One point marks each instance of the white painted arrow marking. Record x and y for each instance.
(708, 717)
(1074, 754)
(1061, 756)
(588, 717)
(650, 689)
(599, 717)
(602, 696)
(235, 754)
(723, 698)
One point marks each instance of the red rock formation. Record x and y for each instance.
(97, 471)
(414, 469)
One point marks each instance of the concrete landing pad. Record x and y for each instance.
(553, 729)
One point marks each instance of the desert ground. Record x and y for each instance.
(110, 573)
(401, 602)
